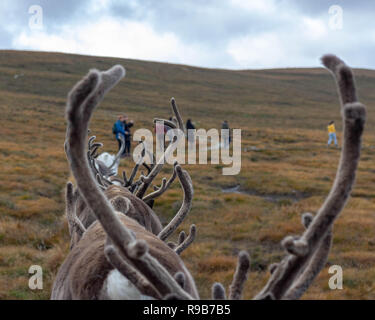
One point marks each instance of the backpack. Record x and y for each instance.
(114, 131)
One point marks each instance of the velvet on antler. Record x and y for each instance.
(307, 254)
(82, 101)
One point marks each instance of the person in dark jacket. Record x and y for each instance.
(226, 134)
(190, 133)
(127, 126)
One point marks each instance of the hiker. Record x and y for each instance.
(332, 133)
(119, 129)
(127, 126)
(225, 134)
(190, 128)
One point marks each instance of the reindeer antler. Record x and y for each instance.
(164, 186)
(307, 254)
(76, 228)
(147, 180)
(82, 100)
(187, 186)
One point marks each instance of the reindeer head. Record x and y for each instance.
(103, 210)
(128, 195)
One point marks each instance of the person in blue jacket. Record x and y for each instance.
(119, 129)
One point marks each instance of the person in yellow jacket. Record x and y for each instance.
(332, 133)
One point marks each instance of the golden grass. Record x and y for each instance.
(283, 113)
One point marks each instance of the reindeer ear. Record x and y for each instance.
(121, 204)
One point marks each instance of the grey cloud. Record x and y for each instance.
(197, 21)
(318, 7)
(210, 25)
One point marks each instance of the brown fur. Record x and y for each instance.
(85, 269)
(83, 273)
(137, 210)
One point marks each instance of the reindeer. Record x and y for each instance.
(89, 271)
(119, 257)
(108, 164)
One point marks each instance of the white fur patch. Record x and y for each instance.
(108, 159)
(120, 288)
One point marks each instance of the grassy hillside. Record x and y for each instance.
(286, 166)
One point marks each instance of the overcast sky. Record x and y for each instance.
(235, 34)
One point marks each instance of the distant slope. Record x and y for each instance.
(281, 96)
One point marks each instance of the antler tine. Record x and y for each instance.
(176, 120)
(188, 241)
(94, 149)
(315, 265)
(218, 291)
(134, 188)
(95, 170)
(75, 225)
(304, 249)
(90, 140)
(73, 222)
(158, 191)
(133, 174)
(152, 161)
(101, 184)
(181, 237)
(183, 242)
(135, 169)
(187, 187)
(69, 205)
(240, 276)
(344, 78)
(180, 123)
(159, 165)
(91, 144)
(152, 157)
(82, 100)
(148, 168)
(164, 186)
(180, 278)
(119, 153)
(103, 181)
(124, 177)
(166, 122)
